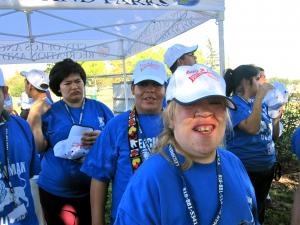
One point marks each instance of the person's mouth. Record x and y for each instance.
(204, 129)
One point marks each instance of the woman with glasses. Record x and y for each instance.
(253, 129)
(191, 180)
(180, 55)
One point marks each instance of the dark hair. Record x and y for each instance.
(260, 69)
(174, 67)
(62, 70)
(234, 77)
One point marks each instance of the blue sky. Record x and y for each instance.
(262, 32)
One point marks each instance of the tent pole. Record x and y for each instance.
(124, 77)
(125, 84)
(221, 42)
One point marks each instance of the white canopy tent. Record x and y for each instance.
(36, 31)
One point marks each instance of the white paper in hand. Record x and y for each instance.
(71, 148)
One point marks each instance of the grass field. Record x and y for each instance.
(105, 95)
(282, 194)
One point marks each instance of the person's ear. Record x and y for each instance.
(132, 89)
(179, 62)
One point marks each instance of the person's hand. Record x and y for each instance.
(39, 108)
(89, 138)
(263, 90)
(36, 111)
(280, 110)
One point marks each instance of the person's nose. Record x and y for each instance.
(150, 88)
(74, 85)
(203, 111)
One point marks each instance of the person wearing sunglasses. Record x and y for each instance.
(191, 179)
(180, 55)
(253, 129)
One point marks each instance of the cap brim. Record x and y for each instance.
(24, 73)
(191, 49)
(229, 103)
(156, 79)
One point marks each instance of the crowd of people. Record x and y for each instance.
(196, 148)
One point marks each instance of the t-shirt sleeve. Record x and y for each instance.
(35, 166)
(295, 142)
(239, 115)
(123, 218)
(108, 113)
(35, 160)
(100, 162)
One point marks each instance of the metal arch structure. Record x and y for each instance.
(35, 31)
(45, 31)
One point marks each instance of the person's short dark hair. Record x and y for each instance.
(174, 67)
(62, 70)
(260, 69)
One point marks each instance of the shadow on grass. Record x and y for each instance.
(282, 195)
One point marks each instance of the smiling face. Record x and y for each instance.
(72, 89)
(148, 96)
(199, 128)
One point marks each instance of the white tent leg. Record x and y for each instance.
(124, 76)
(125, 84)
(221, 42)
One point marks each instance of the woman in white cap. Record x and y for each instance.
(64, 134)
(127, 140)
(191, 180)
(253, 129)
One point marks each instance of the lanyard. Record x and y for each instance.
(143, 135)
(6, 165)
(81, 112)
(134, 147)
(186, 193)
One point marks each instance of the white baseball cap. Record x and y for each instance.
(2, 81)
(149, 69)
(39, 79)
(175, 52)
(189, 84)
(276, 98)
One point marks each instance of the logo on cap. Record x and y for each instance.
(149, 65)
(198, 73)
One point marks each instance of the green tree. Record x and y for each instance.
(16, 85)
(212, 59)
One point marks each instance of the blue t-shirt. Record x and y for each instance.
(257, 152)
(109, 158)
(296, 142)
(59, 176)
(23, 164)
(154, 194)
